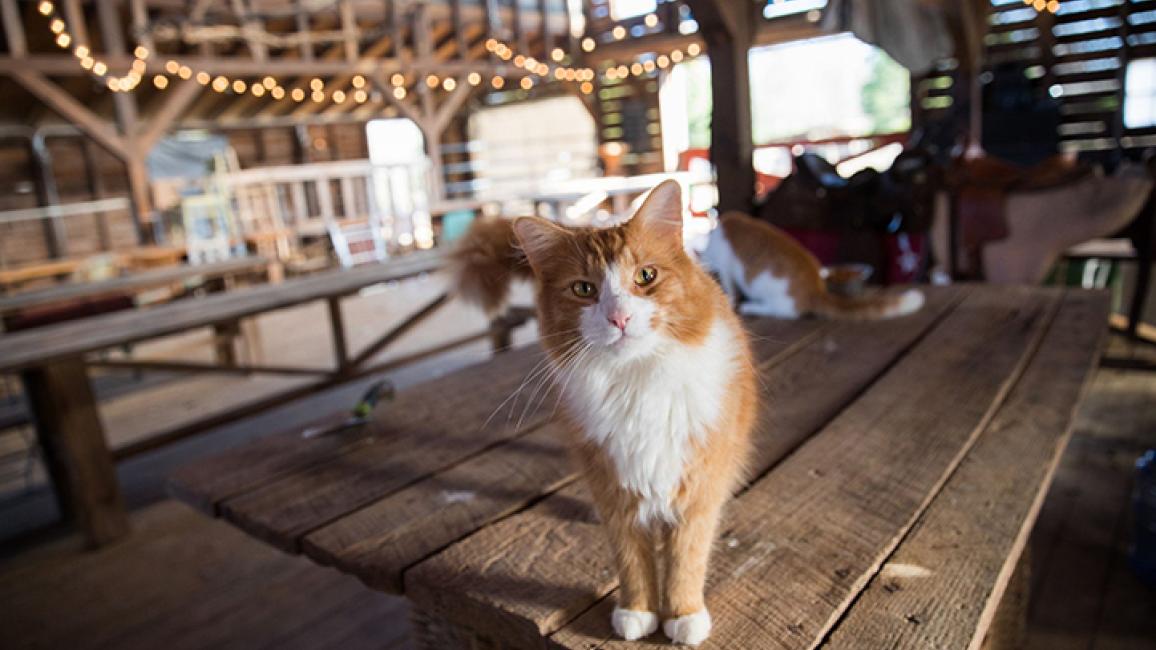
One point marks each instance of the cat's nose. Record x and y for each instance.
(619, 320)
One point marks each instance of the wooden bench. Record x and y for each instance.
(899, 468)
(52, 362)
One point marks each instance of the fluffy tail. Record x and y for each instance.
(882, 305)
(485, 262)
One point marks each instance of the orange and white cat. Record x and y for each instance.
(778, 277)
(655, 371)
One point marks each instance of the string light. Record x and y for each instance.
(268, 85)
(619, 32)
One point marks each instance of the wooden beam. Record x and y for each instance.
(304, 29)
(65, 66)
(459, 28)
(72, 110)
(13, 28)
(403, 106)
(249, 25)
(75, 450)
(47, 195)
(349, 28)
(728, 29)
(176, 101)
(140, 25)
(450, 106)
(112, 37)
(74, 14)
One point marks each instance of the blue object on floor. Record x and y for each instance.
(455, 224)
(1143, 556)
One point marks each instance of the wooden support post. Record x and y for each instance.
(225, 343)
(728, 28)
(96, 191)
(140, 198)
(337, 328)
(547, 40)
(397, 37)
(13, 28)
(501, 334)
(47, 195)
(349, 30)
(140, 25)
(304, 29)
(1144, 241)
(75, 452)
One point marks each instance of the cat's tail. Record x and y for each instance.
(882, 305)
(485, 263)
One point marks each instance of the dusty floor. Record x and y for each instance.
(185, 581)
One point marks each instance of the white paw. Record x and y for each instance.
(632, 624)
(691, 629)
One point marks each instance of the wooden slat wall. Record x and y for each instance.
(1080, 54)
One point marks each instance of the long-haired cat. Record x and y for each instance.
(655, 371)
(780, 278)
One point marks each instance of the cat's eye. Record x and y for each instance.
(645, 276)
(583, 289)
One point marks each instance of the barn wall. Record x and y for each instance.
(25, 242)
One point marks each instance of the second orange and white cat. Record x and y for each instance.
(656, 374)
(778, 277)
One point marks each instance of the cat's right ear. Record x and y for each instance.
(537, 237)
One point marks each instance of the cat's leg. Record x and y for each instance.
(636, 615)
(687, 549)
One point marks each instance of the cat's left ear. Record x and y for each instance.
(661, 212)
(537, 238)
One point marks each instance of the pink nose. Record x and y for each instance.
(619, 320)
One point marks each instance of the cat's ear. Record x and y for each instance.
(661, 212)
(537, 237)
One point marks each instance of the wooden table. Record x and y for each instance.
(899, 468)
(52, 362)
(132, 283)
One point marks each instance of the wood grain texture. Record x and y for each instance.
(556, 549)
(205, 484)
(75, 451)
(801, 543)
(131, 283)
(942, 586)
(424, 431)
(71, 339)
(378, 542)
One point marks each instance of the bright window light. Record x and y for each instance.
(1140, 94)
(624, 9)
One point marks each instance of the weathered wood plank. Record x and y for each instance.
(66, 340)
(75, 451)
(380, 541)
(406, 443)
(556, 551)
(821, 524)
(423, 439)
(207, 483)
(942, 585)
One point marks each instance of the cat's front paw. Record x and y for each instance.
(632, 624)
(691, 629)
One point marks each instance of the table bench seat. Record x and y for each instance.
(898, 469)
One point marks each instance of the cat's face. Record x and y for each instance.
(619, 293)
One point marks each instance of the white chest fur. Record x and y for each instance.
(646, 414)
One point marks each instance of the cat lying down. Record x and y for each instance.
(780, 278)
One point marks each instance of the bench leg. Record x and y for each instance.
(74, 448)
(225, 343)
(1008, 630)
